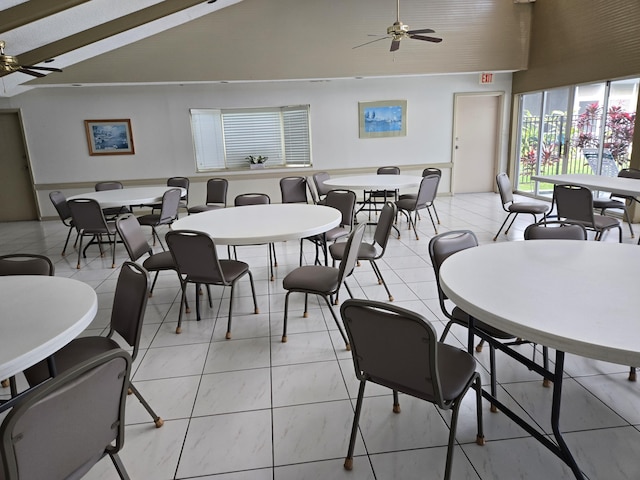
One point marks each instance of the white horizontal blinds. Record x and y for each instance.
(225, 138)
(206, 128)
(295, 121)
(252, 132)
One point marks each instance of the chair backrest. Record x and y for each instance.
(556, 230)
(345, 201)
(64, 426)
(388, 171)
(195, 256)
(444, 245)
(394, 347)
(318, 180)
(182, 182)
(350, 257)
(574, 202)
(217, 191)
(130, 303)
(427, 191)
(385, 224)
(251, 199)
(60, 204)
(170, 205)
(431, 171)
(133, 237)
(26, 264)
(111, 185)
(293, 189)
(504, 188)
(629, 173)
(313, 192)
(87, 215)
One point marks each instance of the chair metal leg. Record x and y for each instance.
(156, 419)
(286, 313)
(183, 285)
(503, 224)
(335, 318)
(122, 472)
(381, 279)
(348, 461)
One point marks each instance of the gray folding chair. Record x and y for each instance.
(423, 200)
(293, 189)
(321, 188)
(135, 242)
(127, 315)
(398, 349)
(427, 171)
(322, 280)
(23, 264)
(375, 197)
(555, 230)
(575, 203)
(514, 208)
(616, 201)
(216, 196)
(62, 428)
(345, 202)
(111, 213)
(89, 220)
(245, 199)
(375, 250)
(168, 213)
(197, 260)
(60, 204)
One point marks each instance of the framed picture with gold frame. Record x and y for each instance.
(386, 118)
(109, 137)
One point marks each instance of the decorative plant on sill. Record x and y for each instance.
(255, 160)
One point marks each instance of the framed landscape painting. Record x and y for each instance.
(383, 119)
(109, 137)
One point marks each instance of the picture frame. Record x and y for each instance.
(109, 137)
(387, 118)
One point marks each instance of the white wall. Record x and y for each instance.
(54, 124)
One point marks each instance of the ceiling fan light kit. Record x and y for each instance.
(399, 30)
(10, 64)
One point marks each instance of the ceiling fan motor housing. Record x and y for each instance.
(398, 28)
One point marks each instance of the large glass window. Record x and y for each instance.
(225, 138)
(583, 129)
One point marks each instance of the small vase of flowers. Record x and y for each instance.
(256, 161)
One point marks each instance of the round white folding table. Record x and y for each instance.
(375, 182)
(126, 196)
(557, 293)
(258, 224)
(40, 315)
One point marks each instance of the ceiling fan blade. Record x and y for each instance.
(46, 69)
(424, 30)
(395, 45)
(372, 41)
(426, 39)
(30, 72)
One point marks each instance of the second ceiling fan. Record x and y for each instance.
(399, 30)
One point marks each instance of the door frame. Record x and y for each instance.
(23, 137)
(499, 147)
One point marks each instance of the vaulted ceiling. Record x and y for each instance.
(105, 42)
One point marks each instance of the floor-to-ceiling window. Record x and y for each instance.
(582, 129)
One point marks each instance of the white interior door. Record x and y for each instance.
(16, 186)
(476, 142)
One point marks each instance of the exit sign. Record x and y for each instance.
(486, 78)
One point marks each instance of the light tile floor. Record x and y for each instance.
(254, 408)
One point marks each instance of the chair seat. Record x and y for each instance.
(75, 352)
(408, 196)
(149, 219)
(317, 278)
(111, 230)
(604, 222)
(599, 203)
(406, 203)
(456, 367)
(366, 251)
(527, 207)
(159, 261)
(203, 208)
(231, 269)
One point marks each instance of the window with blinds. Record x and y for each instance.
(225, 138)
